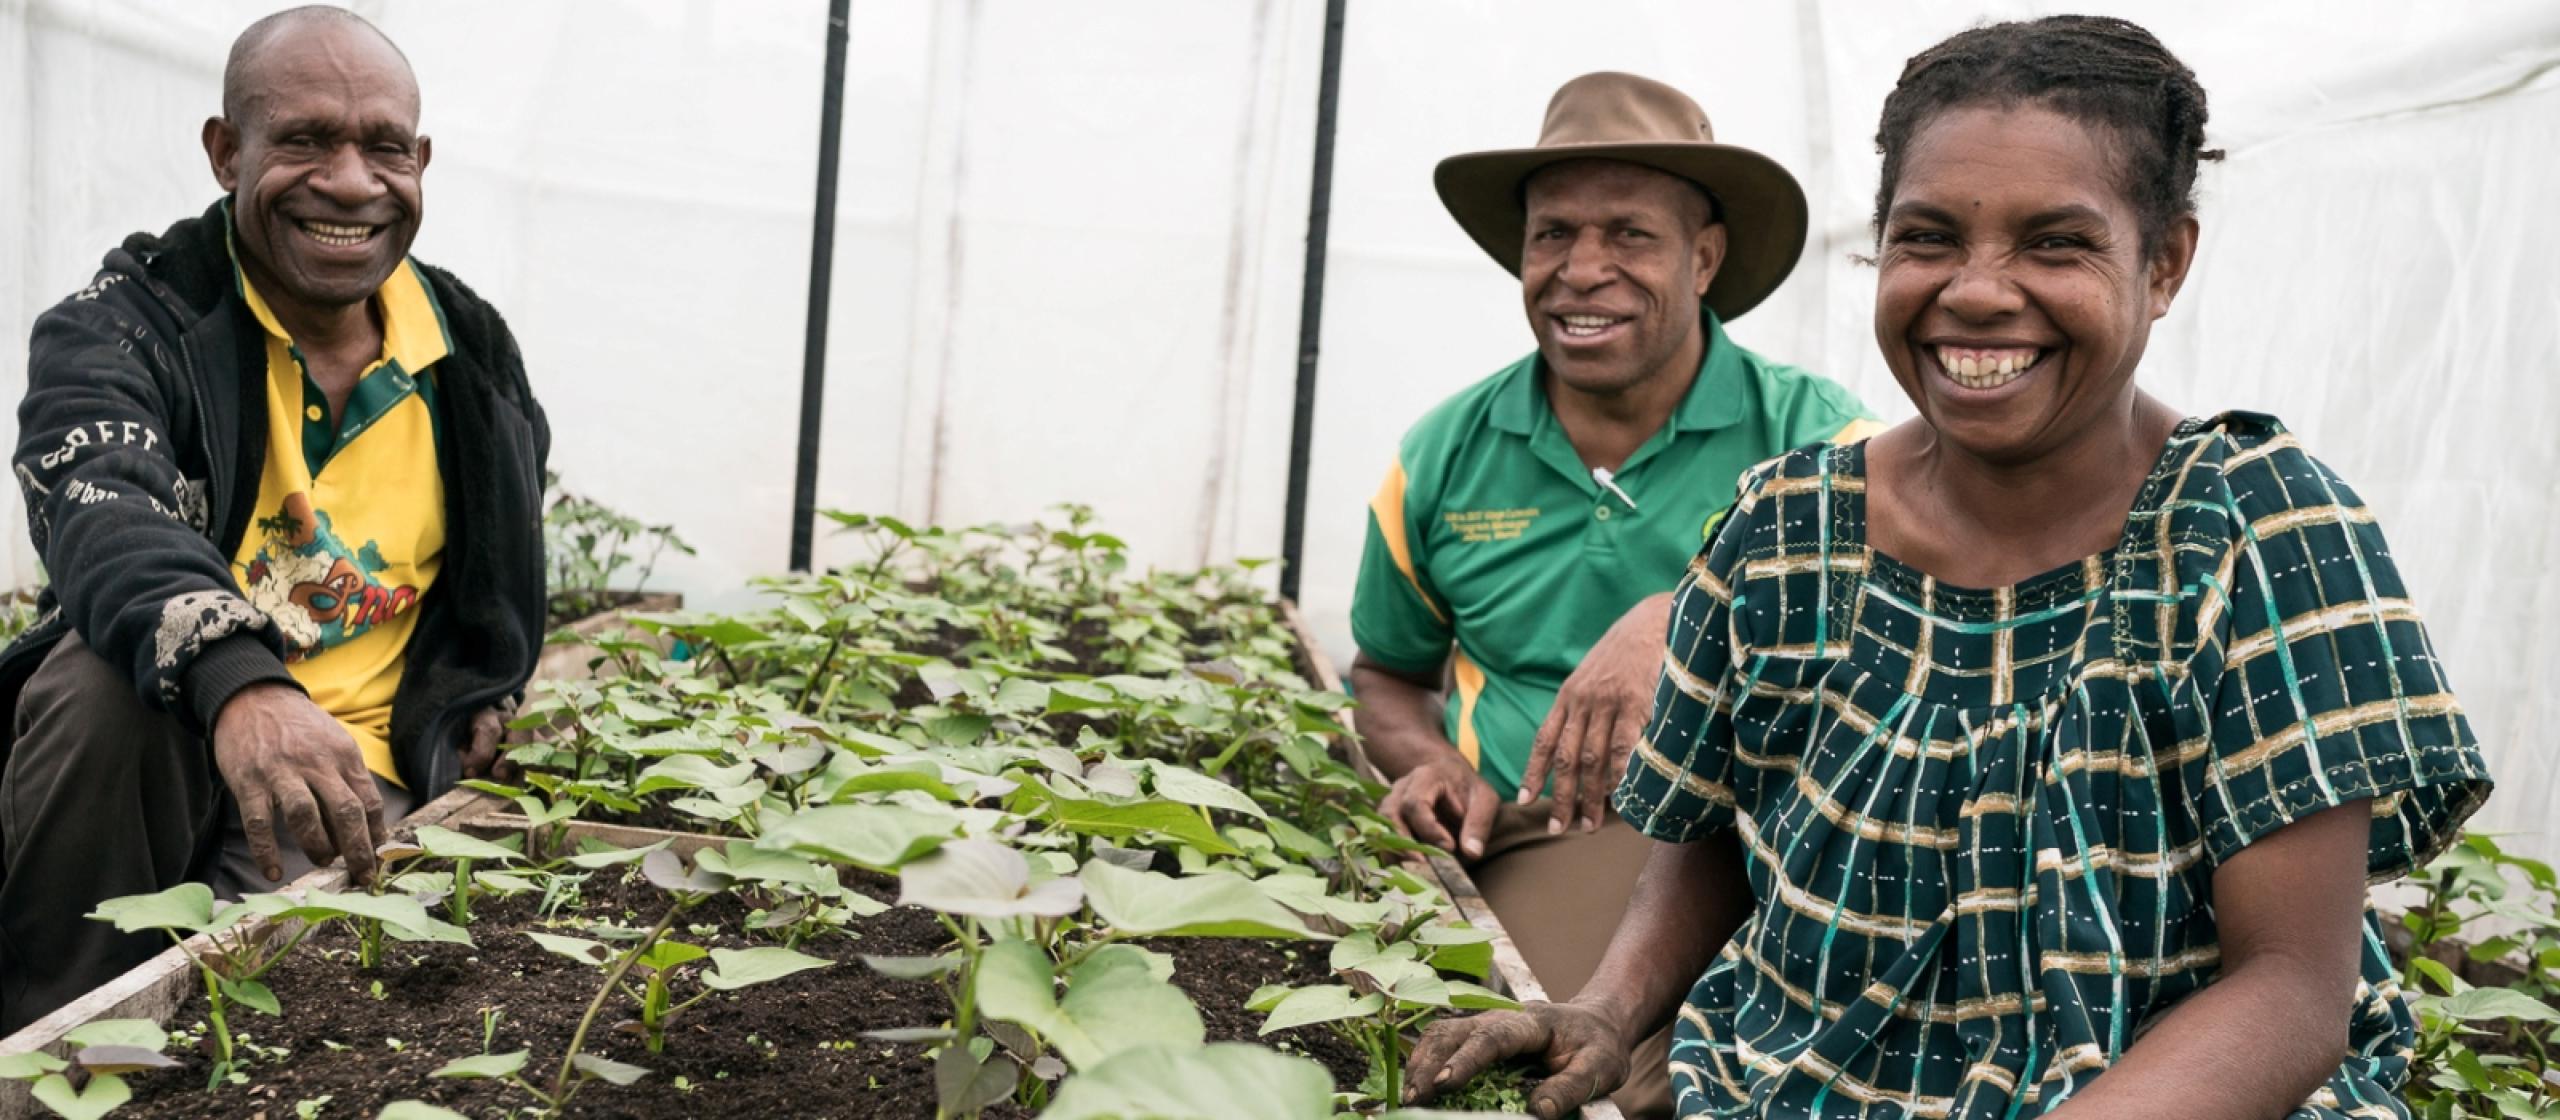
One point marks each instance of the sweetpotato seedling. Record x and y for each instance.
(1389, 993)
(108, 1049)
(231, 969)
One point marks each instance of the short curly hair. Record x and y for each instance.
(2097, 70)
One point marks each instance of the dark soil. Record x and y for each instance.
(793, 1047)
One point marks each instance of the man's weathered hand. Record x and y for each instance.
(1443, 802)
(1591, 731)
(287, 761)
(1582, 1050)
(480, 753)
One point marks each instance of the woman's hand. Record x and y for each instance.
(1584, 1052)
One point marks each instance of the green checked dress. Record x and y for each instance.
(1982, 826)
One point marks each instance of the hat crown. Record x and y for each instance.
(1613, 108)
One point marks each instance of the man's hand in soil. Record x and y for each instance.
(1443, 802)
(288, 762)
(1591, 731)
(488, 738)
(1583, 1052)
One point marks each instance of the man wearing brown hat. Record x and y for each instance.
(1525, 543)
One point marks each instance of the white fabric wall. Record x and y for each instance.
(1069, 236)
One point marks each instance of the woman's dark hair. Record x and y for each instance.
(2097, 70)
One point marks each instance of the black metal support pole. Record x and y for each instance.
(822, 258)
(1302, 421)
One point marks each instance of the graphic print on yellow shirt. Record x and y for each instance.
(348, 530)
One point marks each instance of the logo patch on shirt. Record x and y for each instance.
(320, 592)
(1477, 526)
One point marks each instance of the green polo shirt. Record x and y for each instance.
(1490, 533)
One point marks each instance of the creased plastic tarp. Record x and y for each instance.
(1069, 238)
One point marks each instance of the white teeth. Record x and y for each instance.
(1582, 325)
(1985, 369)
(328, 234)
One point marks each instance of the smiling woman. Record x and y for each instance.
(2032, 757)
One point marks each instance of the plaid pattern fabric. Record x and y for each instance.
(1981, 826)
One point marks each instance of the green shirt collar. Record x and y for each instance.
(1714, 400)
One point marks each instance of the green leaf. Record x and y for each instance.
(614, 857)
(1190, 787)
(1098, 818)
(118, 1032)
(445, 843)
(1114, 1001)
(618, 1073)
(732, 969)
(2444, 978)
(692, 772)
(30, 1065)
(742, 860)
(728, 632)
(252, 994)
(666, 953)
(965, 1080)
(666, 870)
(921, 774)
(484, 1066)
(578, 949)
(1217, 904)
(1222, 1081)
(187, 907)
(912, 968)
(1474, 997)
(984, 879)
(876, 837)
(2490, 1004)
(121, 1059)
(418, 1110)
(105, 1094)
(1323, 1003)
(958, 729)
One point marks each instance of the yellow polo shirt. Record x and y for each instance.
(348, 532)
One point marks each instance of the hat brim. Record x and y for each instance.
(1764, 209)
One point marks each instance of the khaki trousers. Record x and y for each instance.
(1561, 898)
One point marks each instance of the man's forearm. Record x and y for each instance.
(1688, 902)
(1399, 719)
(2248, 1045)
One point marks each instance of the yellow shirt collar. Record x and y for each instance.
(413, 330)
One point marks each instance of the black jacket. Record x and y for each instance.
(141, 441)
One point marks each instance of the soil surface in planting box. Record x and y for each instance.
(793, 1047)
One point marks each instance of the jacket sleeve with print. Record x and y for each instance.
(112, 428)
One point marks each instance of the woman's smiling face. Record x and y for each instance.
(2014, 293)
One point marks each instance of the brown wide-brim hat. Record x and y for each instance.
(1640, 121)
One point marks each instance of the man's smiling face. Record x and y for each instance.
(321, 154)
(1616, 260)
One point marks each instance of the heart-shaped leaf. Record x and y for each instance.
(29, 1065)
(1114, 1001)
(484, 1066)
(1222, 1081)
(878, 837)
(666, 870)
(732, 969)
(1216, 904)
(105, 1094)
(445, 843)
(1323, 1003)
(618, 1073)
(252, 994)
(985, 879)
(186, 907)
(118, 1032)
(967, 1081)
(578, 949)
(614, 857)
(913, 968)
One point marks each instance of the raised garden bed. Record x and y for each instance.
(1134, 874)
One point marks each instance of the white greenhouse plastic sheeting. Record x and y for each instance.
(1069, 246)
